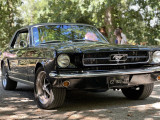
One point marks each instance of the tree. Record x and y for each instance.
(9, 20)
(32, 10)
(139, 19)
(111, 14)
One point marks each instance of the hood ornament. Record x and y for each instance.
(118, 57)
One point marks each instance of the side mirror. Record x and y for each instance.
(22, 44)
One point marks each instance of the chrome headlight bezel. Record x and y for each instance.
(156, 57)
(63, 60)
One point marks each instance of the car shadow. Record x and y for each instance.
(77, 100)
(21, 101)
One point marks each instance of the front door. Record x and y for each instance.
(17, 59)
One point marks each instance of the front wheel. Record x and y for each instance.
(7, 83)
(46, 96)
(138, 92)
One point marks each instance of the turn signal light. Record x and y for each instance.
(66, 83)
(158, 77)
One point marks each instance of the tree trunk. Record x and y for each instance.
(109, 24)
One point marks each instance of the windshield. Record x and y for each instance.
(66, 33)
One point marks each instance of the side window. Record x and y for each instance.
(36, 40)
(21, 40)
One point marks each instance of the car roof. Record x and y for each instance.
(43, 24)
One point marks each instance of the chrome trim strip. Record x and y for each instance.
(106, 73)
(97, 58)
(137, 57)
(107, 58)
(115, 64)
(21, 80)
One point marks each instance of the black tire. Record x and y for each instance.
(138, 93)
(46, 96)
(7, 83)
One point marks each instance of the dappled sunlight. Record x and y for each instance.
(141, 108)
(76, 116)
(9, 108)
(156, 105)
(96, 106)
(17, 100)
(19, 104)
(155, 93)
(148, 119)
(149, 110)
(20, 116)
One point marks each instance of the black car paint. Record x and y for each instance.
(23, 63)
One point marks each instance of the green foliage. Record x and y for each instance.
(9, 21)
(140, 19)
(141, 24)
(82, 11)
(32, 10)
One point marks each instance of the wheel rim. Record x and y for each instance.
(4, 77)
(4, 81)
(43, 89)
(137, 88)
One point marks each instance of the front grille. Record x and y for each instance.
(115, 58)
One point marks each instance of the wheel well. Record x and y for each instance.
(2, 62)
(6, 63)
(37, 66)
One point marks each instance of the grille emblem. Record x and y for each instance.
(118, 57)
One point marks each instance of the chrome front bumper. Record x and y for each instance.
(86, 74)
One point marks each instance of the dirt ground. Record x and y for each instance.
(110, 105)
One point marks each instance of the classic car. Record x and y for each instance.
(55, 57)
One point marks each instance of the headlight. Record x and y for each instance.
(63, 60)
(156, 57)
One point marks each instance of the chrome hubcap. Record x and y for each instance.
(43, 88)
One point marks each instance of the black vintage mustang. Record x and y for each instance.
(58, 57)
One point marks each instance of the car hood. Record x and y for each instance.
(95, 47)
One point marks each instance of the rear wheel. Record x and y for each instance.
(7, 83)
(46, 96)
(138, 92)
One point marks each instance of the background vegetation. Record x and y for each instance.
(140, 19)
